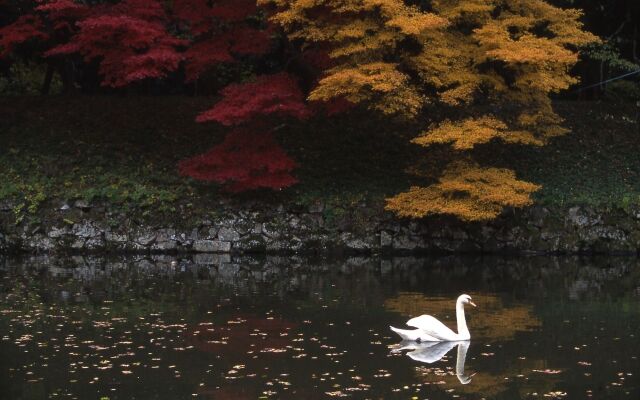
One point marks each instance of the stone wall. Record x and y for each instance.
(318, 229)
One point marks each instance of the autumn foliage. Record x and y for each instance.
(490, 63)
(476, 71)
(269, 95)
(135, 40)
(220, 33)
(246, 159)
(27, 27)
(249, 157)
(466, 191)
(128, 39)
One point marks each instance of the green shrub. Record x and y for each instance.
(26, 79)
(622, 90)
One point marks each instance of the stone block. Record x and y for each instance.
(211, 246)
(386, 240)
(228, 235)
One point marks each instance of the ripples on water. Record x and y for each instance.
(214, 327)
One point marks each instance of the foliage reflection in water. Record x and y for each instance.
(223, 328)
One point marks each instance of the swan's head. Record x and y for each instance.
(466, 299)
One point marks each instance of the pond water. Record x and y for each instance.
(294, 328)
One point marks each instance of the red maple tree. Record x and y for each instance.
(249, 157)
(269, 94)
(246, 159)
(130, 40)
(220, 32)
(135, 40)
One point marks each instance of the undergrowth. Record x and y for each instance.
(57, 150)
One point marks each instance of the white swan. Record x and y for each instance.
(429, 329)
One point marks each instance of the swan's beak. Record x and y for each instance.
(472, 303)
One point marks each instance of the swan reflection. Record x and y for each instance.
(430, 352)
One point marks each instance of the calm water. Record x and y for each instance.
(291, 328)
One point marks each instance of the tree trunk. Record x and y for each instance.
(634, 47)
(46, 85)
(638, 115)
(67, 76)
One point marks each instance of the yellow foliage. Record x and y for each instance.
(414, 24)
(366, 46)
(543, 81)
(445, 67)
(515, 54)
(359, 34)
(370, 81)
(527, 49)
(467, 133)
(464, 9)
(467, 191)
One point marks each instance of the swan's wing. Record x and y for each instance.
(432, 352)
(432, 327)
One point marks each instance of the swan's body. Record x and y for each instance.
(429, 329)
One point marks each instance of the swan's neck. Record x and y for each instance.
(462, 356)
(463, 331)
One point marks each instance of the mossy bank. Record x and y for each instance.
(74, 179)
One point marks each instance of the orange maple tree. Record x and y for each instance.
(491, 63)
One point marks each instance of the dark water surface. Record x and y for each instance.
(293, 328)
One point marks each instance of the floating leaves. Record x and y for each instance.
(229, 343)
(547, 371)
